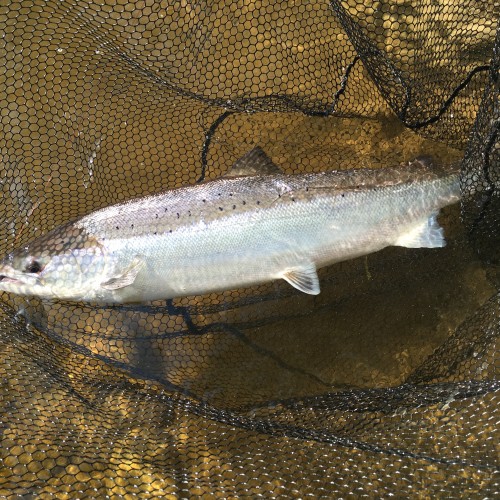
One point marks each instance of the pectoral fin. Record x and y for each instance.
(303, 278)
(126, 278)
(428, 234)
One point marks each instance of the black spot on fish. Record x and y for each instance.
(155, 233)
(117, 227)
(293, 199)
(220, 208)
(234, 206)
(178, 215)
(166, 209)
(244, 203)
(157, 216)
(258, 202)
(204, 201)
(343, 195)
(169, 230)
(230, 194)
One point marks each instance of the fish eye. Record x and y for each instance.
(34, 267)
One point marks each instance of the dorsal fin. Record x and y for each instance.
(255, 162)
(426, 161)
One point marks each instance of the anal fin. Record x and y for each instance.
(303, 278)
(427, 234)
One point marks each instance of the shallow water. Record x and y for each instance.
(263, 391)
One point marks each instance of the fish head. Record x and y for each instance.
(65, 263)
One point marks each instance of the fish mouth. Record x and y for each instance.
(8, 279)
(10, 276)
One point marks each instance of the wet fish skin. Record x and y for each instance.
(232, 232)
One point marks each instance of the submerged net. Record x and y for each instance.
(384, 384)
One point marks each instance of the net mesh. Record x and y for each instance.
(385, 384)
